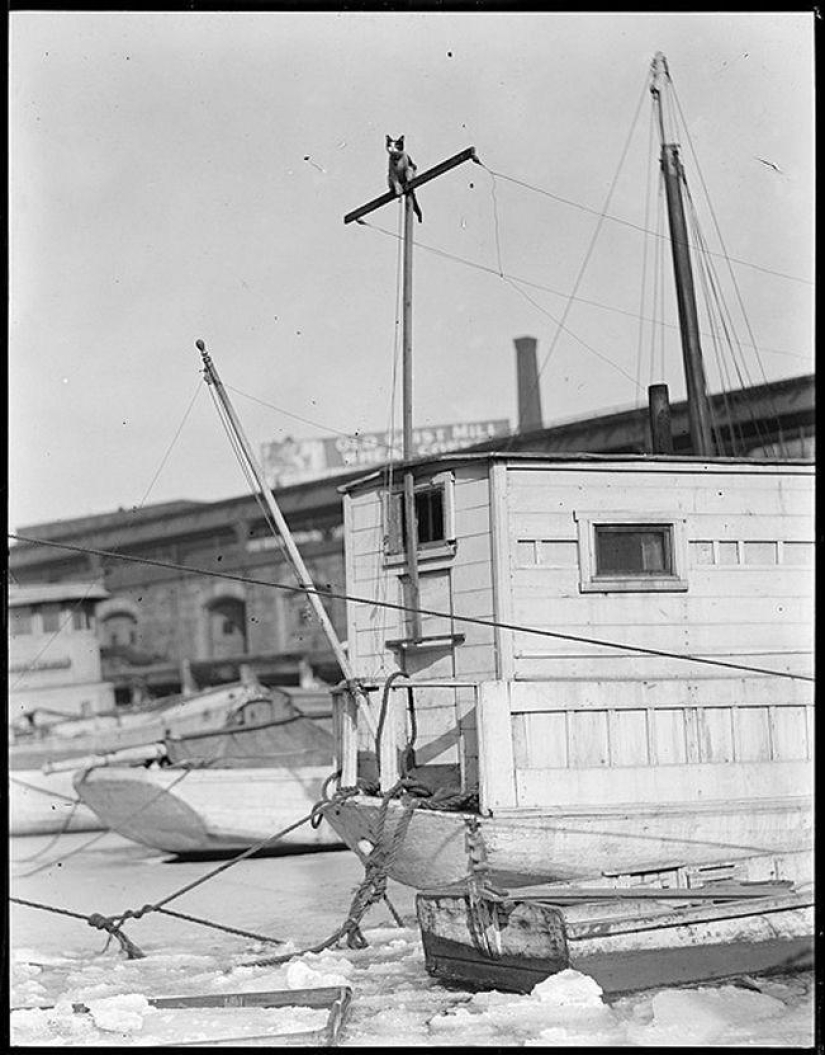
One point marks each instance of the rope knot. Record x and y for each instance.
(101, 922)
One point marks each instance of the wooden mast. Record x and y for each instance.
(698, 406)
(409, 518)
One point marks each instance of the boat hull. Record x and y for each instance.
(46, 804)
(513, 944)
(207, 810)
(524, 848)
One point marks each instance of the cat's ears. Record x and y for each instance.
(399, 141)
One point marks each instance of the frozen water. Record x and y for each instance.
(58, 960)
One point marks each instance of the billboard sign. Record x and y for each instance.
(295, 461)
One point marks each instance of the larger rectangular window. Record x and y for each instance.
(633, 549)
(625, 552)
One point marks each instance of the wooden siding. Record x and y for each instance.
(759, 610)
(458, 585)
(575, 718)
(582, 743)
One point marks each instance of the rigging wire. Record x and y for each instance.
(372, 602)
(721, 239)
(575, 336)
(486, 269)
(593, 239)
(638, 227)
(743, 373)
(289, 414)
(724, 375)
(175, 438)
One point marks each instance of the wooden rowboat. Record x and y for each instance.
(335, 1000)
(624, 943)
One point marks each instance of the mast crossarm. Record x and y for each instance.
(437, 170)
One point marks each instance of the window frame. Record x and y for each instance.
(439, 549)
(591, 582)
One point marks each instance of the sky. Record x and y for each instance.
(177, 176)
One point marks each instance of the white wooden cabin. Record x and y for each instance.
(705, 558)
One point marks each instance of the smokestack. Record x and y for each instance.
(529, 396)
(661, 435)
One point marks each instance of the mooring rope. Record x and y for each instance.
(373, 887)
(114, 923)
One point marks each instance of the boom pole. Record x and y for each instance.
(295, 558)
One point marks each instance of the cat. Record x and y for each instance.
(401, 170)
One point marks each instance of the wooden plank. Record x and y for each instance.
(715, 734)
(545, 743)
(662, 783)
(628, 737)
(745, 581)
(669, 743)
(545, 523)
(753, 734)
(791, 734)
(542, 667)
(709, 691)
(475, 521)
(587, 738)
(495, 747)
(366, 513)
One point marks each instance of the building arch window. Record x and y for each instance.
(226, 621)
(119, 628)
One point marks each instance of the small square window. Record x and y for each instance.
(50, 613)
(433, 520)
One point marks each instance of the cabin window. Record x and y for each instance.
(631, 549)
(622, 553)
(81, 619)
(434, 517)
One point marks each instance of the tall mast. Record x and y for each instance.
(698, 406)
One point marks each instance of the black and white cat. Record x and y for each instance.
(401, 170)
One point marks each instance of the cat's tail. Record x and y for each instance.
(415, 205)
